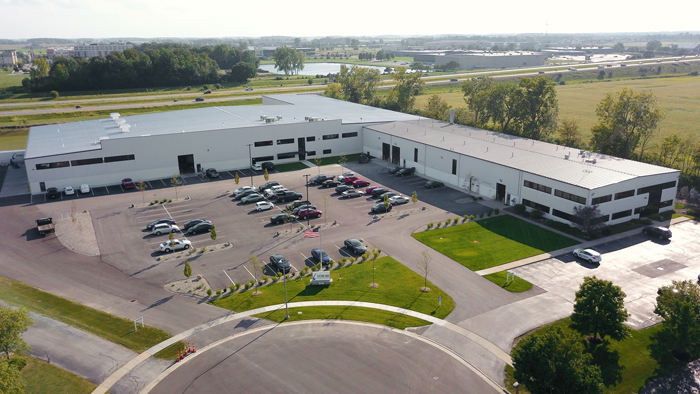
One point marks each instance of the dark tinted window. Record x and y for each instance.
(330, 136)
(535, 205)
(326, 151)
(628, 193)
(286, 156)
(537, 186)
(263, 143)
(84, 162)
(310, 139)
(285, 141)
(262, 158)
(349, 135)
(112, 159)
(600, 200)
(58, 164)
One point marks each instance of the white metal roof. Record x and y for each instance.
(588, 170)
(82, 136)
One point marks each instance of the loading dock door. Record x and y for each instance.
(385, 151)
(500, 191)
(301, 144)
(395, 154)
(186, 164)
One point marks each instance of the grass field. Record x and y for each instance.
(109, 327)
(377, 316)
(494, 241)
(515, 286)
(398, 286)
(43, 378)
(629, 357)
(8, 79)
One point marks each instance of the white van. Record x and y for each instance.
(17, 158)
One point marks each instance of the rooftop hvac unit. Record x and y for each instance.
(119, 122)
(279, 117)
(263, 117)
(125, 128)
(269, 120)
(114, 115)
(566, 156)
(306, 118)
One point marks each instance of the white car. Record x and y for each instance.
(69, 190)
(273, 190)
(164, 228)
(176, 244)
(396, 200)
(84, 188)
(263, 206)
(256, 167)
(242, 189)
(589, 255)
(248, 89)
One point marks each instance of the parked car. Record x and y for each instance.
(406, 171)
(256, 167)
(343, 188)
(350, 179)
(301, 207)
(268, 185)
(263, 206)
(346, 174)
(253, 197)
(589, 255)
(381, 208)
(398, 200)
(289, 196)
(657, 231)
(379, 191)
(199, 99)
(282, 218)
(433, 184)
(127, 183)
(152, 224)
(244, 194)
(355, 246)
(352, 193)
(191, 223)
(268, 165)
(296, 204)
(164, 228)
(360, 183)
(394, 170)
(330, 183)
(242, 189)
(318, 179)
(69, 190)
(84, 188)
(270, 193)
(211, 173)
(369, 189)
(388, 195)
(204, 227)
(320, 255)
(310, 213)
(175, 244)
(281, 263)
(53, 192)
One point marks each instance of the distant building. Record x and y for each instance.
(572, 51)
(67, 52)
(8, 58)
(101, 50)
(479, 59)
(269, 51)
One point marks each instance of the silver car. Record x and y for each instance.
(164, 228)
(176, 244)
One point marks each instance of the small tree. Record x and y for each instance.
(188, 269)
(600, 308)
(318, 161)
(142, 186)
(171, 237)
(424, 267)
(13, 322)
(212, 234)
(53, 94)
(257, 267)
(342, 159)
(588, 218)
(175, 181)
(414, 198)
(679, 337)
(11, 380)
(236, 178)
(266, 176)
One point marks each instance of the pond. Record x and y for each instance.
(320, 68)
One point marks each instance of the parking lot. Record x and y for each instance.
(250, 231)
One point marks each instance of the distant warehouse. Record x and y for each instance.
(479, 59)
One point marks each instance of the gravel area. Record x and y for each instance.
(77, 234)
(684, 380)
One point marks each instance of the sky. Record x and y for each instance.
(314, 18)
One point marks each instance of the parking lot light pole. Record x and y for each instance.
(250, 160)
(308, 217)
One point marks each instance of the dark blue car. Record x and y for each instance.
(320, 255)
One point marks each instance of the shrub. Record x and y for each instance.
(352, 260)
(202, 250)
(549, 222)
(278, 79)
(209, 292)
(311, 81)
(53, 94)
(481, 215)
(438, 225)
(536, 214)
(430, 225)
(472, 217)
(490, 212)
(188, 88)
(455, 220)
(279, 274)
(232, 288)
(379, 251)
(519, 208)
(694, 73)
(264, 278)
(498, 211)
(247, 285)
(218, 292)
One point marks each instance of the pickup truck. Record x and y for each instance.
(45, 226)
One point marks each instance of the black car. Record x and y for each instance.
(330, 183)
(289, 196)
(406, 171)
(656, 231)
(381, 208)
(395, 170)
(152, 224)
(379, 191)
(52, 192)
(281, 263)
(433, 184)
(244, 193)
(203, 227)
(355, 245)
(318, 179)
(282, 218)
(268, 185)
(298, 209)
(268, 165)
(199, 99)
(297, 204)
(207, 92)
(343, 188)
(191, 223)
(212, 173)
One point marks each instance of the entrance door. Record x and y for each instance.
(42, 186)
(301, 143)
(385, 151)
(500, 191)
(395, 154)
(186, 164)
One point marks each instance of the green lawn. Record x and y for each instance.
(290, 167)
(398, 286)
(494, 241)
(336, 160)
(626, 365)
(102, 324)
(515, 286)
(377, 316)
(8, 79)
(43, 378)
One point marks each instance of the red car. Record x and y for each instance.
(350, 179)
(360, 183)
(310, 213)
(369, 189)
(127, 183)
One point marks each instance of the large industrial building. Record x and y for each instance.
(289, 128)
(479, 59)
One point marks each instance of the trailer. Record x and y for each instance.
(45, 226)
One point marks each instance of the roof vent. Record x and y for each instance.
(566, 157)
(119, 122)
(279, 117)
(114, 115)
(263, 117)
(125, 128)
(269, 120)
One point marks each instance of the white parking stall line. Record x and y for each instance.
(149, 184)
(251, 275)
(121, 187)
(163, 182)
(106, 188)
(183, 180)
(418, 182)
(229, 278)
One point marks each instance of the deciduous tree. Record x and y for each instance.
(539, 107)
(407, 86)
(175, 182)
(424, 267)
(358, 83)
(212, 234)
(600, 309)
(142, 186)
(11, 381)
(13, 322)
(569, 134)
(188, 269)
(587, 218)
(476, 95)
(679, 337)
(437, 108)
(554, 362)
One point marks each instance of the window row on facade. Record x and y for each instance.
(84, 162)
(288, 155)
(308, 139)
